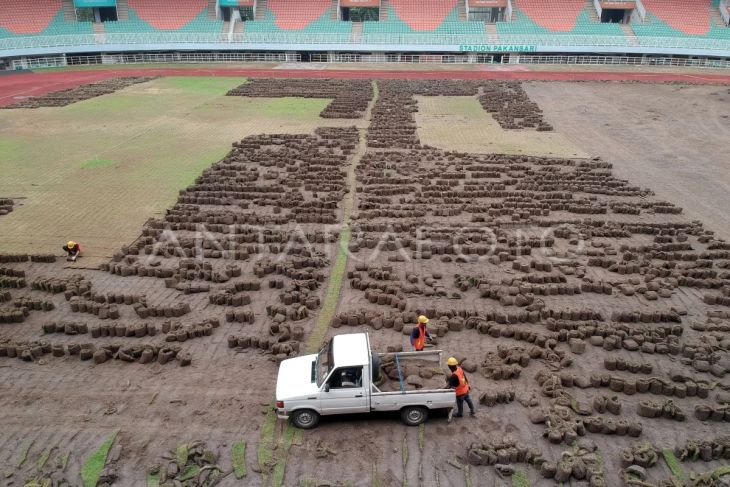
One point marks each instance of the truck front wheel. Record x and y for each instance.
(305, 418)
(413, 415)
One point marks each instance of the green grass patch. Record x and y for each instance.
(189, 472)
(404, 459)
(186, 177)
(673, 463)
(238, 458)
(519, 479)
(94, 163)
(305, 108)
(332, 298)
(421, 436)
(153, 480)
(43, 458)
(376, 477)
(277, 479)
(467, 475)
(202, 84)
(8, 148)
(160, 136)
(265, 451)
(63, 461)
(711, 477)
(24, 455)
(181, 454)
(95, 464)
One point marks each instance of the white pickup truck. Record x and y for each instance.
(341, 379)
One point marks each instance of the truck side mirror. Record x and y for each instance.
(326, 388)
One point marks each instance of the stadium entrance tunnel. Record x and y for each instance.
(615, 16)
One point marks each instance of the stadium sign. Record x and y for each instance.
(496, 48)
(94, 3)
(236, 3)
(359, 3)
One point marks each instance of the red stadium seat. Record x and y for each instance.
(25, 17)
(166, 14)
(688, 16)
(423, 14)
(297, 14)
(555, 15)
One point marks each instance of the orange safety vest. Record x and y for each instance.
(420, 342)
(463, 388)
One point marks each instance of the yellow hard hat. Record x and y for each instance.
(422, 319)
(71, 244)
(452, 361)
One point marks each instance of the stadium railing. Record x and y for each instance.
(538, 41)
(239, 57)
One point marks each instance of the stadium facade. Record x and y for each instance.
(109, 31)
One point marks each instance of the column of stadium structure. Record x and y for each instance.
(335, 10)
(260, 13)
(639, 13)
(69, 11)
(461, 5)
(591, 8)
(630, 34)
(238, 28)
(357, 32)
(212, 9)
(122, 10)
(716, 15)
(492, 33)
(383, 10)
(98, 28)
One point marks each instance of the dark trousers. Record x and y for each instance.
(70, 252)
(460, 400)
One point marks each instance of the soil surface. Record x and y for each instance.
(554, 281)
(672, 139)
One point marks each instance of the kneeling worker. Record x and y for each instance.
(457, 381)
(72, 250)
(420, 334)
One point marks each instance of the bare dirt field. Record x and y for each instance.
(670, 138)
(591, 315)
(459, 123)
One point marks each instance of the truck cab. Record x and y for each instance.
(340, 379)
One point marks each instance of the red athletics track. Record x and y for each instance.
(18, 85)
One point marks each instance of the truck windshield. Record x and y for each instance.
(324, 362)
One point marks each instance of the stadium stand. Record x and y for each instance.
(423, 14)
(677, 17)
(555, 15)
(298, 21)
(297, 14)
(539, 24)
(149, 16)
(524, 27)
(40, 17)
(680, 18)
(427, 22)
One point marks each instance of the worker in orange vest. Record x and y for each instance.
(419, 335)
(458, 381)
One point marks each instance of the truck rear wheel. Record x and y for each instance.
(305, 418)
(413, 415)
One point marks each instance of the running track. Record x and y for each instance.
(17, 85)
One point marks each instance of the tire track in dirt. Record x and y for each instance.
(281, 443)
